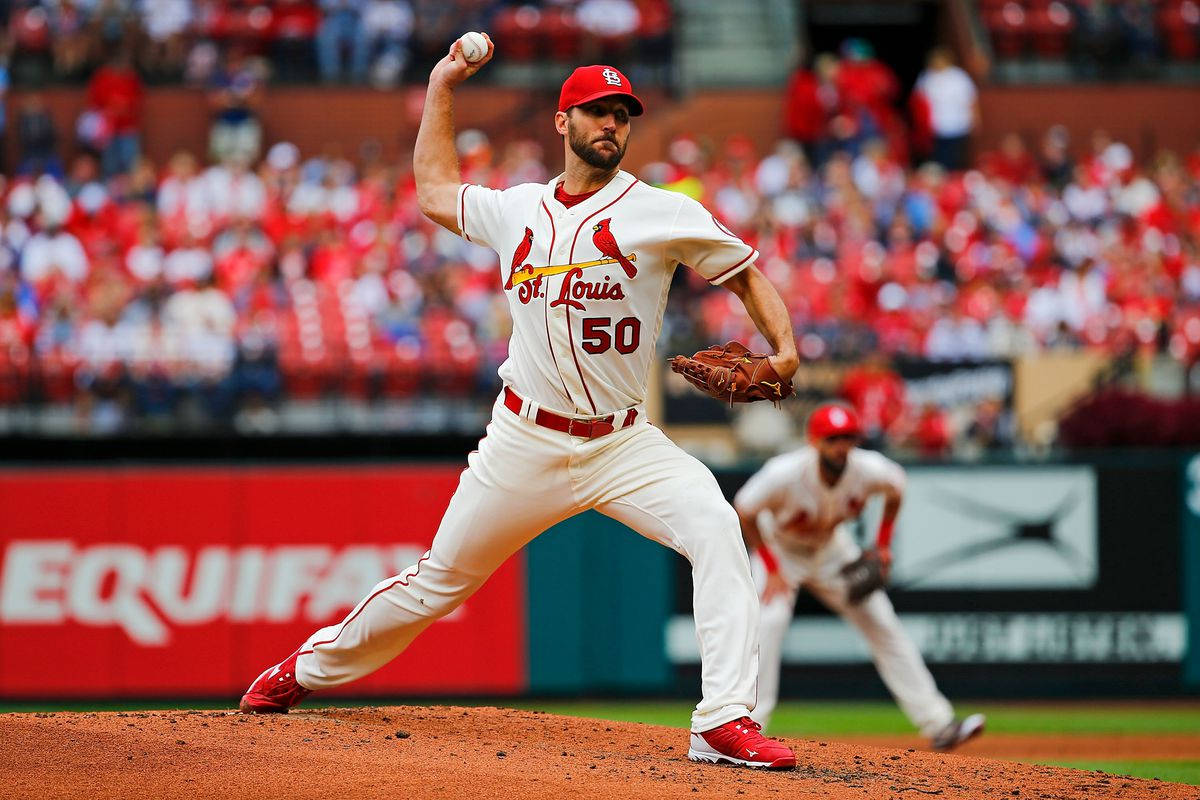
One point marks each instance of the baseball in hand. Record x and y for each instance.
(473, 45)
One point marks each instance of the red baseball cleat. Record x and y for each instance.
(740, 742)
(276, 690)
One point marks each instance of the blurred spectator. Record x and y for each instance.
(1098, 46)
(4, 86)
(811, 101)
(37, 139)
(294, 32)
(115, 92)
(868, 89)
(953, 108)
(166, 23)
(876, 392)
(932, 435)
(235, 94)
(29, 27)
(387, 26)
(53, 255)
(956, 337)
(991, 429)
(1012, 162)
(114, 25)
(322, 278)
(342, 29)
(72, 43)
(864, 81)
(1056, 163)
(610, 27)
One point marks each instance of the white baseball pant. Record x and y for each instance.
(525, 478)
(897, 659)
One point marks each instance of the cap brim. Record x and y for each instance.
(635, 106)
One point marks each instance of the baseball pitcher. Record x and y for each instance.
(585, 263)
(793, 512)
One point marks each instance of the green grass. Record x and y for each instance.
(810, 719)
(1174, 771)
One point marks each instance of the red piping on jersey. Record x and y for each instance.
(571, 257)
(546, 309)
(401, 582)
(579, 369)
(462, 206)
(720, 275)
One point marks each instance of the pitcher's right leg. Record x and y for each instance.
(515, 488)
(482, 527)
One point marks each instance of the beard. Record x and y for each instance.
(600, 159)
(834, 468)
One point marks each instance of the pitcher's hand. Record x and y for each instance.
(453, 69)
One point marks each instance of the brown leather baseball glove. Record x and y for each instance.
(733, 374)
(865, 574)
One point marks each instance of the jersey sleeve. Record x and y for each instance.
(764, 491)
(480, 213)
(883, 473)
(699, 241)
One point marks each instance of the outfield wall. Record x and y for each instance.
(1071, 578)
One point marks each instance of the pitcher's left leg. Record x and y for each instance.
(663, 493)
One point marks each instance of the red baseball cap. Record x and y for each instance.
(596, 81)
(833, 419)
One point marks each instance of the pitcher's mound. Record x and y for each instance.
(450, 753)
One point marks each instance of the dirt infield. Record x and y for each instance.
(453, 753)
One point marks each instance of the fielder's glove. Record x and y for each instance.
(733, 374)
(865, 574)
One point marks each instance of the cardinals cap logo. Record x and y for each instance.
(611, 76)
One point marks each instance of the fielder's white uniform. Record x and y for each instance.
(802, 520)
(582, 346)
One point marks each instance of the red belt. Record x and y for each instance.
(584, 428)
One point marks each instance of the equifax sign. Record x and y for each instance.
(179, 581)
(146, 592)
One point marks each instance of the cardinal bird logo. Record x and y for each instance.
(518, 261)
(606, 244)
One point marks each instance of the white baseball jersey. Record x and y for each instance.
(587, 285)
(801, 517)
(804, 510)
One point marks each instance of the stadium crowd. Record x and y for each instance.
(330, 40)
(237, 283)
(1109, 39)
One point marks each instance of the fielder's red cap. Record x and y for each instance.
(591, 83)
(833, 419)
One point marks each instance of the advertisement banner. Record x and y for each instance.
(997, 528)
(1191, 566)
(1059, 578)
(140, 582)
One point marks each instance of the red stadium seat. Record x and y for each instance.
(1009, 28)
(521, 30)
(401, 372)
(564, 38)
(1050, 27)
(56, 376)
(1179, 22)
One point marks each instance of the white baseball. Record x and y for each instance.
(473, 45)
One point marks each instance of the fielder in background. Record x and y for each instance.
(585, 261)
(793, 513)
